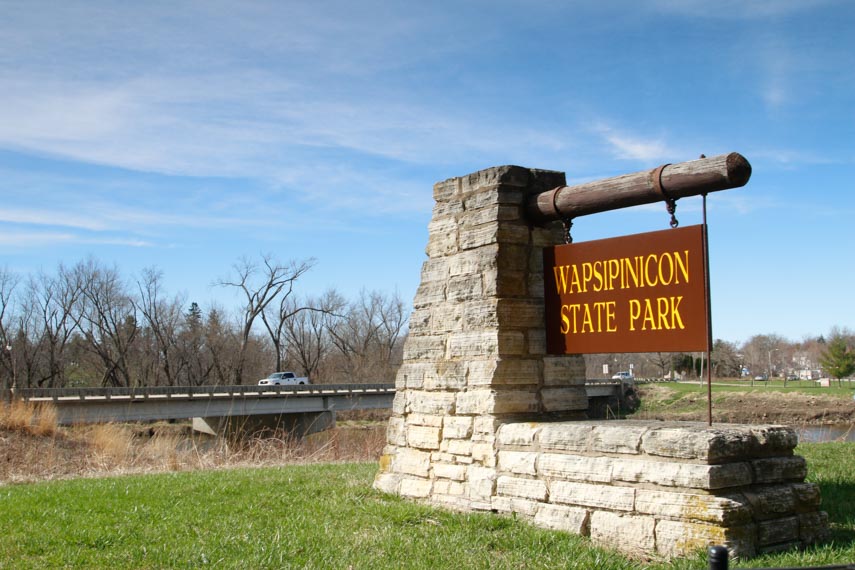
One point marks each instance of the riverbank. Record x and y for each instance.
(744, 405)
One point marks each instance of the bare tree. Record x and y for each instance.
(53, 299)
(368, 334)
(306, 331)
(164, 321)
(8, 283)
(260, 283)
(107, 318)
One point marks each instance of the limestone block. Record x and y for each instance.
(536, 342)
(568, 519)
(430, 294)
(479, 373)
(435, 270)
(485, 425)
(727, 510)
(445, 317)
(516, 505)
(533, 489)
(512, 257)
(632, 534)
(424, 420)
(426, 347)
(452, 488)
(446, 209)
(454, 472)
(474, 402)
(482, 483)
(518, 462)
(474, 262)
(396, 433)
(717, 444)
(482, 401)
(435, 403)
(563, 399)
(484, 453)
(514, 401)
(479, 314)
(452, 502)
(464, 288)
(679, 538)
(618, 437)
(774, 439)
(806, 495)
(546, 237)
(485, 199)
(415, 488)
(520, 313)
(399, 403)
(567, 436)
(779, 469)
(411, 374)
(457, 427)
(442, 237)
(516, 371)
(423, 437)
(446, 190)
(563, 370)
(388, 482)
(446, 375)
(507, 283)
(457, 446)
(473, 344)
(771, 501)
(591, 495)
(580, 468)
(420, 321)
(535, 284)
(491, 213)
(690, 475)
(776, 531)
(412, 462)
(473, 236)
(813, 527)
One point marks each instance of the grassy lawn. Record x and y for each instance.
(322, 516)
(736, 385)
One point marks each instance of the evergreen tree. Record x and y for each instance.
(838, 358)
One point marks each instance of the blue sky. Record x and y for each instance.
(184, 135)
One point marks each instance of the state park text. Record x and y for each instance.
(637, 293)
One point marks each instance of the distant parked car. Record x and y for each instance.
(622, 376)
(283, 379)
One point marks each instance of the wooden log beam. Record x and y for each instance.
(672, 181)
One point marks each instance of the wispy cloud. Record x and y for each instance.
(738, 9)
(631, 147)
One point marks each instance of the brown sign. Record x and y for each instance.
(638, 293)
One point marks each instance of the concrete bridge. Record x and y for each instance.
(217, 410)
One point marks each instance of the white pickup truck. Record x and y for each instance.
(282, 379)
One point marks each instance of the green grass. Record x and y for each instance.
(733, 385)
(322, 516)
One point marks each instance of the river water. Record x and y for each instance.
(821, 434)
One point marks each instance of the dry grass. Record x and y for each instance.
(37, 419)
(33, 448)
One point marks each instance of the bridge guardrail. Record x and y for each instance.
(191, 391)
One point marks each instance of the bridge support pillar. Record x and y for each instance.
(298, 425)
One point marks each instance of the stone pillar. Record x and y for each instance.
(476, 352)
(477, 421)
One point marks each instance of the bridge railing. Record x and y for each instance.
(143, 392)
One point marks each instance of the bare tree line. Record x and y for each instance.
(761, 356)
(87, 325)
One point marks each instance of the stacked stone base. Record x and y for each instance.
(647, 488)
